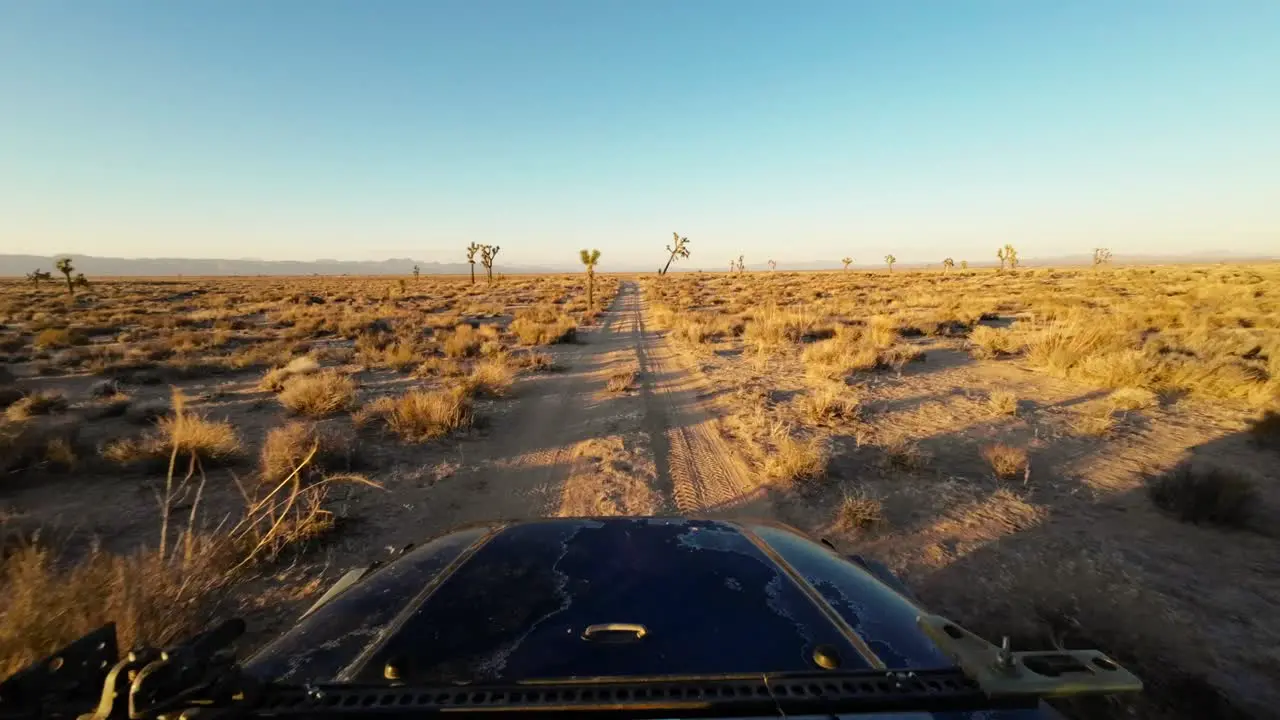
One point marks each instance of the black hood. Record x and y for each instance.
(582, 598)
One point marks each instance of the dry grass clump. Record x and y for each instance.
(1003, 402)
(621, 380)
(184, 432)
(420, 415)
(1129, 399)
(1205, 494)
(37, 403)
(827, 404)
(989, 342)
(837, 357)
(1093, 424)
(1007, 462)
(463, 342)
(319, 395)
(543, 326)
(902, 453)
(794, 460)
(45, 604)
(25, 446)
(59, 338)
(860, 512)
(275, 379)
(492, 378)
(287, 446)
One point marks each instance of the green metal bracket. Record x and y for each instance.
(1003, 673)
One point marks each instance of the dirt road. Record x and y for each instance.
(566, 444)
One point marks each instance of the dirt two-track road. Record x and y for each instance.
(565, 444)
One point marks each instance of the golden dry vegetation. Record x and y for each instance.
(1068, 456)
(166, 443)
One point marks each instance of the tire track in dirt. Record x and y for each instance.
(704, 470)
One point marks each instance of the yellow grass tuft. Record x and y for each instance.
(318, 395)
(1007, 462)
(420, 415)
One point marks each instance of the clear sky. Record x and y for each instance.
(302, 129)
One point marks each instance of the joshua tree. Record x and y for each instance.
(733, 264)
(472, 249)
(773, 265)
(590, 258)
(1101, 256)
(741, 266)
(81, 281)
(964, 264)
(679, 247)
(487, 254)
(948, 264)
(37, 275)
(847, 262)
(890, 259)
(64, 266)
(1008, 255)
(417, 271)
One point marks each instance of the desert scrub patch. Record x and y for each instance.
(318, 395)
(419, 415)
(1007, 462)
(289, 446)
(1197, 493)
(37, 403)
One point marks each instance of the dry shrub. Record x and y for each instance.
(420, 415)
(275, 379)
(1265, 431)
(828, 403)
(185, 433)
(490, 377)
(1003, 402)
(845, 353)
(621, 380)
(288, 515)
(25, 446)
(535, 329)
(439, 367)
(989, 342)
(1093, 424)
(287, 446)
(860, 512)
(794, 460)
(1007, 462)
(902, 453)
(1131, 398)
(464, 341)
(319, 395)
(1205, 494)
(37, 403)
(45, 604)
(59, 338)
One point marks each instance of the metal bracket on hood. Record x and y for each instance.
(1003, 673)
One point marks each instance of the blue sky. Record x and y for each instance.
(303, 129)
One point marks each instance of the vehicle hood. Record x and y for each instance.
(513, 602)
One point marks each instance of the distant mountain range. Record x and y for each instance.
(11, 265)
(19, 265)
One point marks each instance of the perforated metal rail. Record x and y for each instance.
(759, 695)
